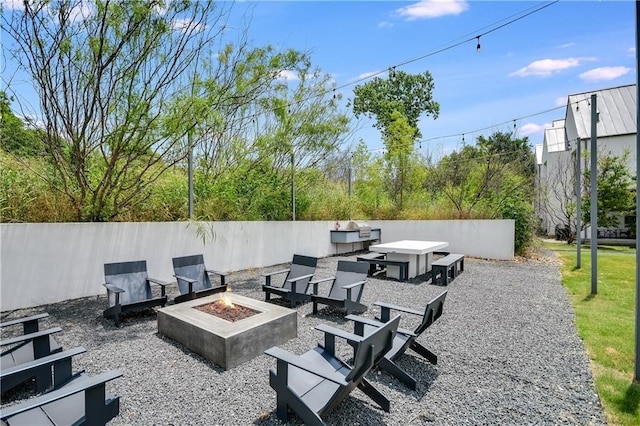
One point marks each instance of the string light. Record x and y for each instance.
(478, 45)
(392, 72)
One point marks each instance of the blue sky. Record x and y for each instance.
(523, 69)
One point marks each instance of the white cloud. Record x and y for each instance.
(186, 24)
(531, 129)
(367, 75)
(566, 45)
(385, 24)
(561, 101)
(604, 73)
(425, 9)
(288, 75)
(12, 4)
(547, 67)
(80, 12)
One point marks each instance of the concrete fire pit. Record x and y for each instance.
(227, 343)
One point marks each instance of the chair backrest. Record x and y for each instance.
(432, 312)
(300, 266)
(372, 349)
(132, 277)
(349, 273)
(191, 267)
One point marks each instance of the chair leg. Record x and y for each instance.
(375, 395)
(426, 353)
(397, 372)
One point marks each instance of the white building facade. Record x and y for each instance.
(557, 157)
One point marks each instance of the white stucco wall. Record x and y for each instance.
(44, 263)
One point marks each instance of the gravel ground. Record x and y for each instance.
(508, 354)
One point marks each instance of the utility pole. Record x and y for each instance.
(578, 205)
(594, 194)
(636, 377)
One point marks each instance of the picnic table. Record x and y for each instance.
(419, 254)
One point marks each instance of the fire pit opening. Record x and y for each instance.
(227, 310)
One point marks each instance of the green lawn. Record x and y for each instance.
(606, 324)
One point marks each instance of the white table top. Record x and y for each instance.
(409, 247)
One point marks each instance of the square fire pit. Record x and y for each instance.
(227, 343)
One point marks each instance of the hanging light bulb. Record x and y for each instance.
(478, 45)
(392, 72)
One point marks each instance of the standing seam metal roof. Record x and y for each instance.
(616, 107)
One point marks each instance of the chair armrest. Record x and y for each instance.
(183, 278)
(113, 288)
(321, 280)
(327, 329)
(30, 336)
(291, 359)
(72, 388)
(398, 308)
(314, 283)
(40, 362)
(363, 320)
(157, 281)
(357, 284)
(213, 271)
(376, 323)
(302, 277)
(268, 274)
(24, 319)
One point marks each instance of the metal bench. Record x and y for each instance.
(445, 270)
(376, 260)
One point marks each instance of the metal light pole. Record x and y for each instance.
(190, 172)
(293, 185)
(637, 366)
(594, 194)
(578, 205)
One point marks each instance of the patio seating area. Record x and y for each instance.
(507, 347)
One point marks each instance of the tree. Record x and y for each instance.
(399, 142)
(409, 94)
(615, 191)
(15, 138)
(110, 77)
(492, 179)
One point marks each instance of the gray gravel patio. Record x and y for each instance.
(507, 346)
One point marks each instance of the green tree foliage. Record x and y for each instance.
(409, 94)
(615, 191)
(110, 75)
(399, 139)
(491, 179)
(14, 136)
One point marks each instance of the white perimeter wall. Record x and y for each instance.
(43, 263)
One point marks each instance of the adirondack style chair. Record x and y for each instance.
(315, 382)
(129, 288)
(346, 287)
(83, 401)
(22, 349)
(404, 339)
(295, 286)
(194, 279)
(49, 372)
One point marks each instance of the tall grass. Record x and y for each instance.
(606, 324)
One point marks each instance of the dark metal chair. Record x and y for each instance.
(405, 339)
(49, 372)
(313, 383)
(346, 287)
(83, 401)
(295, 287)
(129, 288)
(22, 354)
(194, 278)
